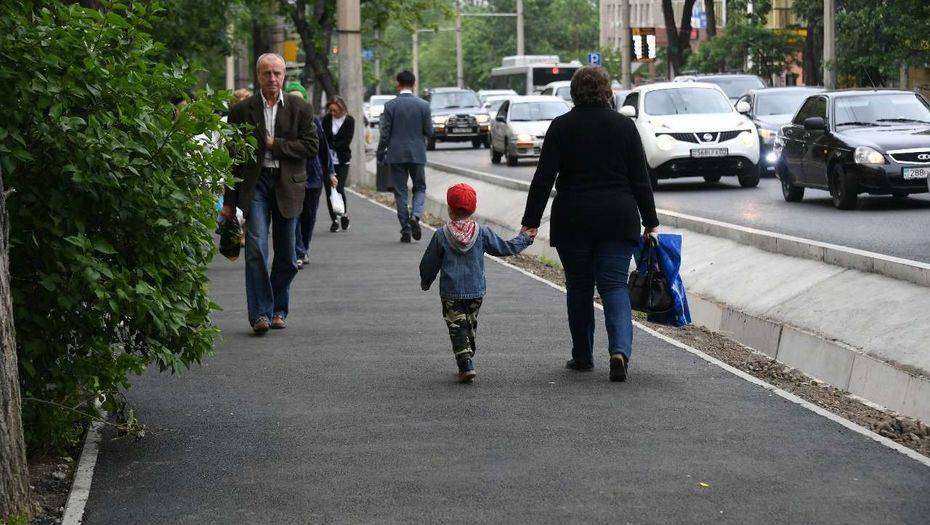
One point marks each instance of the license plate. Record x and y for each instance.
(916, 173)
(709, 152)
(461, 130)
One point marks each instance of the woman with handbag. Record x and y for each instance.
(339, 127)
(594, 157)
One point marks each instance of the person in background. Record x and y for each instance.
(319, 169)
(339, 127)
(240, 94)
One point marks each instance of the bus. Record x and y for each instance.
(528, 74)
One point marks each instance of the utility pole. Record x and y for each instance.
(378, 62)
(625, 43)
(416, 59)
(349, 27)
(520, 49)
(459, 66)
(829, 44)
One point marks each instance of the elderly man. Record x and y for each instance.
(271, 190)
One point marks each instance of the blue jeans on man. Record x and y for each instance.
(267, 292)
(605, 264)
(307, 221)
(417, 173)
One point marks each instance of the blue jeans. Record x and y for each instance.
(605, 263)
(417, 173)
(307, 220)
(267, 293)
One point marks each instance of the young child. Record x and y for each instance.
(457, 249)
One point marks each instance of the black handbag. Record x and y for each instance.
(649, 289)
(384, 181)
(231, 239)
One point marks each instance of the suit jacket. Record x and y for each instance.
(295, 142)
(341, 142)
(405, 126)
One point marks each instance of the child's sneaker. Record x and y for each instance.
(466, 370)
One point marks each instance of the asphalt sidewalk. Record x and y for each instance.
(352, 415)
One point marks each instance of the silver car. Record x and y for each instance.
(520, 126)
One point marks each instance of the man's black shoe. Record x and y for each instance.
(571, 364)
(415, 228)
(405, 237)
(618, 367)
(334, 227)
(344, 220)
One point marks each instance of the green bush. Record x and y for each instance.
(113, 207)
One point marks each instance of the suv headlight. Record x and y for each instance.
(867, 155)
(746, 138)
(482, 119)
(439, 119)
(665, 142)
(767, 134)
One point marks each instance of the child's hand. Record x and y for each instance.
(530, 231)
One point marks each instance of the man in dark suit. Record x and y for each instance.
(405, 126)
(271, 190)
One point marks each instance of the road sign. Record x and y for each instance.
(594, 59)
(368, 55)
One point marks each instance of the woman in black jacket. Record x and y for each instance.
(339, 128)
(594, 157)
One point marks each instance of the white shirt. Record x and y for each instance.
(337, 124)
(406, 91)
(271, 114)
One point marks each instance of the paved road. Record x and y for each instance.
(352, 415)
(885, 225)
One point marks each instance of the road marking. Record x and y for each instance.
(80, 488)
(916, 456)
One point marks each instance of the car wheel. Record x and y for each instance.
(843, 189)
(495, 156)
(476, 143)
(431, 144)
(511, 159)
(749, 179)
(789, 191)
(711, 178)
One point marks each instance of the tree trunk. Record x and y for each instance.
(711, 10)
(678, 37)
(813, 56)
(14, 471)
(316, 60)
(261, 43)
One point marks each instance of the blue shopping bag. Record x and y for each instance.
(668, 254)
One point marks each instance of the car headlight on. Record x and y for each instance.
(746, 139)
(767, 134)
(867, 155)
(482, 119)
(665, 142)
(524, 137)
(440, 120)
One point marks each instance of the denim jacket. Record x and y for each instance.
(463, 273)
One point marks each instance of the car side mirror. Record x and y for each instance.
(743, 107)
(500, 118)
(628, 111)
(815, 124)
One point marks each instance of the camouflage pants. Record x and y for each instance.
(461, 317)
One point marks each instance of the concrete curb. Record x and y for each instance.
(83, 477)
(841, 365)
(897, 268)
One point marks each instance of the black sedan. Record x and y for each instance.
(874, 141)
(770, 109)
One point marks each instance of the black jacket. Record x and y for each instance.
(341, 142)
(595, 159)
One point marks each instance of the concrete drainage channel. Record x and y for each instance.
(828, 311)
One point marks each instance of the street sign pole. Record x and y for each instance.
(625, 43)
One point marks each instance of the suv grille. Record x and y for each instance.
(912, 156)
(701, 137)
(463, 120)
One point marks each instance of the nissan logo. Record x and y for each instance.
(923, 156)
(708, 136)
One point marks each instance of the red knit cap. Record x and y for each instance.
(462, 197)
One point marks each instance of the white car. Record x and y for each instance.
(376, 108)
(520, 126)
(689, 129)
(484, 94)
(561, 89)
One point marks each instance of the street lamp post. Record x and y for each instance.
(829, 44)
(459, 65)
(625, 43)
(520, 49)
(350, 72)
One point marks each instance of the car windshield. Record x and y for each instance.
(453, 99)
(735, 87)
(783, 103)
(565, 93)
(686, 101)
(527, 111)
(379, 100)
(881, 110)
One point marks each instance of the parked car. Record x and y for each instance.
(483, 94)
(734, 85)
(770, 109)
(458, 117)
(561, 89)
(520, 126)
(691, 129)
(848, 142)
(376, 108)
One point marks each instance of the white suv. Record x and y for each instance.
(691, 130)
